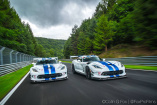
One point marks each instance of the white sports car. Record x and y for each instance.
(48, 69)
(94, 68)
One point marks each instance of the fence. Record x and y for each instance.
(11, 60)
(143, 60)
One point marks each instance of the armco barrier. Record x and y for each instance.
(8, 68)
(143, 60)
(11, 60)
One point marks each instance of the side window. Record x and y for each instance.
(100, 59)
(86, 59)
(79, 59)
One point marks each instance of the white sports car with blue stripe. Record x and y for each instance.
(95, 68)
(48, 69)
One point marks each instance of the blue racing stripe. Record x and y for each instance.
(53, 70)
(46, 71)
(108, 66)
(43, 58)
(116, 68)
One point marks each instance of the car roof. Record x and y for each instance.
(82, 56)
(47, 59)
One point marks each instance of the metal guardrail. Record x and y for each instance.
(8, 68)
(143, 60)
(11, 60)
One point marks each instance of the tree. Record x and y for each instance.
(146, 22)
(52, 52)
(103, 34)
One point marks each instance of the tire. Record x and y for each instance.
(73, 69)
(66, 78)
(88, 73)
(29, 76)
(32, 82)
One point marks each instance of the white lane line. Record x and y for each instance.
(12, 91)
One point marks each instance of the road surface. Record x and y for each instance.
(140, 88)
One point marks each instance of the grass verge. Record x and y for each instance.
(132, 66)
(141, 67)
(7, 82)
(67, 61)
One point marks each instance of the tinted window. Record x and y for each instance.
(46, 62)
(87, 59)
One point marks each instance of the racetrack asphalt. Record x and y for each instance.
(139, 88)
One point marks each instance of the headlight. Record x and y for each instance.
(63, 68)
(98, 67)
(122, 65)
(34, 70)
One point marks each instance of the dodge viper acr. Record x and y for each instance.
(48, 69)
(95, 68)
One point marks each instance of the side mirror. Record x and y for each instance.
(60, 62)
(103, 59)
(78, 60)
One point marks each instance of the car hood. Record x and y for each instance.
(115, 65)
(48, 68)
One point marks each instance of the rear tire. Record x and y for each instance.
(88, 73)
(73, 69)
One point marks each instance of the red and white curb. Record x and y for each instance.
(12, 91)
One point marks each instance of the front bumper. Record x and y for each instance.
(107, 77)
(48, 77)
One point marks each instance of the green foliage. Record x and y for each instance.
(67, 48)
(115, 22)
(15, 34)
(146, 22)
(50, 47)
(103, 34)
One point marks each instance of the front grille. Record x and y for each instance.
(50, 75)
(112, 72)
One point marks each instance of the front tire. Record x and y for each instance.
(73, 69)
(88, 73)
(32, 82)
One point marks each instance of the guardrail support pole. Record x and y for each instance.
(1, 54)
(23, 57)
(11, 56)
(20, 56)
(29, 57)
(16, 57)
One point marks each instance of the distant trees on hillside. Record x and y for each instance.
(15, 34)
(18, 35)
(52, 47)
(115, 22)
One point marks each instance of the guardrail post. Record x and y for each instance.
(1, 54)
(11, 56)
(29, 57)
(20, 56)
(16, 57)
(26, 57)
(23, 57)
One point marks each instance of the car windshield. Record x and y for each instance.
(87, 59)
(41, 62)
